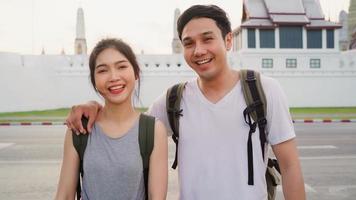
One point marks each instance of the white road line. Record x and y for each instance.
(328, 157)
(340, 188)
(308, 188)
(30, 161)
(318, 147)
(4, 145)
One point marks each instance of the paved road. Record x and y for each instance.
(30, 160)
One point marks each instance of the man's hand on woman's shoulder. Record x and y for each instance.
(89, 110)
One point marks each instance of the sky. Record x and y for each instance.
(28, 26)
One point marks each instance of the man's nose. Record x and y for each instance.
(199, 49)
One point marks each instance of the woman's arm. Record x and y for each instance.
(69, 173)
(158, 174)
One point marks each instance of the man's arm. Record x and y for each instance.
(89, 110)
(292, 178)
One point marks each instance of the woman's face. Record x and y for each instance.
(114, 76)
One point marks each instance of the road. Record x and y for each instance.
(30, 159)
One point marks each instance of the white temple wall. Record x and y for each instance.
(46, 82)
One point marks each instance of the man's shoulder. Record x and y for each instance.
(269, 83)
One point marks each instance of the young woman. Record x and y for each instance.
(112, 161)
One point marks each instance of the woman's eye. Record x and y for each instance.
(101, 71)
(122, 67)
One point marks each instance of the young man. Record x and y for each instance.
(212, 153)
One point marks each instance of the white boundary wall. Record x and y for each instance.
(56, 81)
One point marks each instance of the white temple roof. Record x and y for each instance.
(257, 23)
(272, 13)
(289, 19)
(255, 9)
(285, 6)
(313, 9)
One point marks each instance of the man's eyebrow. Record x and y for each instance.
(207, 33)
(186, 39)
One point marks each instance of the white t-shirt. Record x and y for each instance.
(212, 156)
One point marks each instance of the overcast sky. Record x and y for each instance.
(27, 26)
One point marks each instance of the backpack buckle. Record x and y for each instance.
(262, 121)
(250, 79)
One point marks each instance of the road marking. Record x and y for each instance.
(308, 188)
(4, 145)
(318, 147)
(340, 188)
(30, 161)
(328, 157)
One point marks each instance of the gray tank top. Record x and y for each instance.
(113, 166)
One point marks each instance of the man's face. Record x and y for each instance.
(205, 48)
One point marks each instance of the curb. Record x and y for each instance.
(32, 123)
(324, 121)
(296, 121)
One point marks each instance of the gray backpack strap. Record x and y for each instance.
(256, 109)
(174, 112)
(146, 142)
(80, 143)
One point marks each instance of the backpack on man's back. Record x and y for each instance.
(254, 115)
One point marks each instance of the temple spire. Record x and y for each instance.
(80, 45)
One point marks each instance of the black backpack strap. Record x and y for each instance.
(80, 143)
(256, 107)
(174, 112)
(146, 143)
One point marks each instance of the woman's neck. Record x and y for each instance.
(118, 112)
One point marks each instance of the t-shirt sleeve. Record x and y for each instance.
(158, 110)
(279, 122)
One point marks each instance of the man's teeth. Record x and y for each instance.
(116, 87)
(200, 62)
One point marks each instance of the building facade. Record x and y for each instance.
(299, 49)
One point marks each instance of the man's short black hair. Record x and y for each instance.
(205, 11)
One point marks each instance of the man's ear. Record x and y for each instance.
(228, 41)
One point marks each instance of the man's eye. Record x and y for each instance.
(188, 44)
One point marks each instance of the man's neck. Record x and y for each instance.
(215, 89)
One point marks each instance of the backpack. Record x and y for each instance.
(145, 138)
(254, 115)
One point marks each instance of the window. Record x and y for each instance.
(251, 37)
(314, 40)
(314, 63)
(330, 39)
(267, 63)
(291, 37)
(291, 63)
(267, 38)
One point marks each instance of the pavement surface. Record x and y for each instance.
(30, 159)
